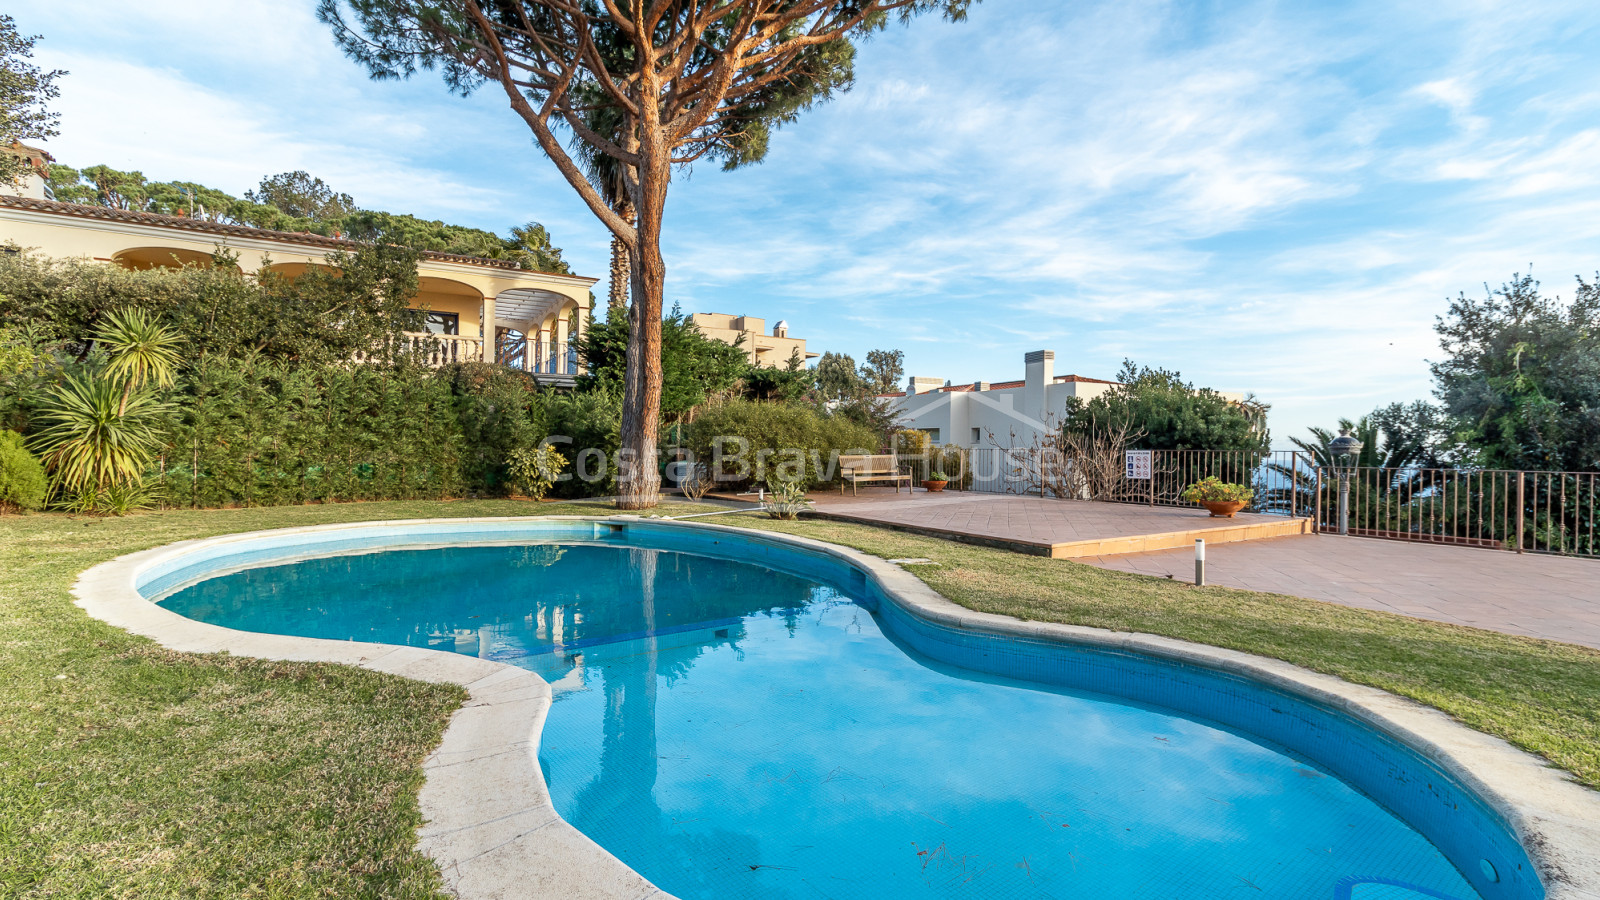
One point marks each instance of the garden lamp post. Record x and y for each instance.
(1345, 450)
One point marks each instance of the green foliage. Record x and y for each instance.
(883, 370)
(302, 196)
(785, 499)
(22, 479)
(258, 432)
(1164, 412)
(761, 441)
(1216, 490)
(24, 90)
(321, 316)
(837, 377)
(141, 351)
(1523, 376)
(694, 368)
(534, 470)
(772, 383)
(937, 475)
(500, 411)
(99, 434)
(590, 424)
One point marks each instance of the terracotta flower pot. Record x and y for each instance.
(934, 487)
(1222, 509)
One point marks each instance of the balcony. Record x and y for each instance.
(552, 362)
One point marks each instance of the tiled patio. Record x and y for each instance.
(1063, 529)
(1541, 596)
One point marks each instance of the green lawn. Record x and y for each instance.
(130, 771)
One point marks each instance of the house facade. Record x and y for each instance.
(773, 350)
(1013, 413)
(531, 317)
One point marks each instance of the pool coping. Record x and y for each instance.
(492, 829)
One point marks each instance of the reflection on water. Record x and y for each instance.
(730, 731)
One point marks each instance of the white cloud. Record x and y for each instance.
(1266, 198)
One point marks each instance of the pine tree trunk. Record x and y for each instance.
(638, 480)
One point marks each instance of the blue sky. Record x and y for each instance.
(1275, 198)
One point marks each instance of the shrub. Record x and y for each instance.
(22, 481)
(500, 410)
(1216, 490)
(956, 463)
(534, 469)
(747, 441)
(937, 475)
(785, 499)
(589, 424)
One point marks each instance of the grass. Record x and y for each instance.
(130, 771)
(127, 770)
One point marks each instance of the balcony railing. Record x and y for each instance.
(435, 350)
(540, 357)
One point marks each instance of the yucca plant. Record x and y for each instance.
(97, 435)
(139, 350)
(785, 499)
(102, 429)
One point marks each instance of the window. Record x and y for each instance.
(932, 433)
(442, 323)
(977, 435)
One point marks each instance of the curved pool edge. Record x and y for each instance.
(493, 831)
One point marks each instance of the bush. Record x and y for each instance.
(500, 410)
(1216, 490)
(22, 480)
(785, 499)
(746, 441)
(588, 425)
(533, 470)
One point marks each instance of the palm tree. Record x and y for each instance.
(1389, 474)
(606, 174)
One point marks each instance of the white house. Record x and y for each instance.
(1014, 412)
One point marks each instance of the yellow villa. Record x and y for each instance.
(535, 314)
(775, 349)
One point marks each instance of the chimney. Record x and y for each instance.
(1041, 366)
(920, 385)
(980, 385)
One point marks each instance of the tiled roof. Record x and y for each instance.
(185, 223)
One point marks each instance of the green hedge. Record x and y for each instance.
(768, 432)
(261, 433)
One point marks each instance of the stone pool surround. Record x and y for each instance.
(490, 824)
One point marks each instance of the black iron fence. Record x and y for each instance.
(1528, 512)
(1525, 512)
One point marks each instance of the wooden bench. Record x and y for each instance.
(876, 467)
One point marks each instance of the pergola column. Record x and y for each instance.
(488, 329)
(563, 327)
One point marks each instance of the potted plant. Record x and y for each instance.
(935, 481)
(1222, 498)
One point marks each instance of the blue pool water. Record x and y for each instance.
(732, 730)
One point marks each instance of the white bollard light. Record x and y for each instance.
(1199, 562)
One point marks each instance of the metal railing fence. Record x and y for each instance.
(1522, 511)
(1527, 512)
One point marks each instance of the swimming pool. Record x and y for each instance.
(735, 717)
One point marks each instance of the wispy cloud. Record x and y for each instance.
(1266, 198)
